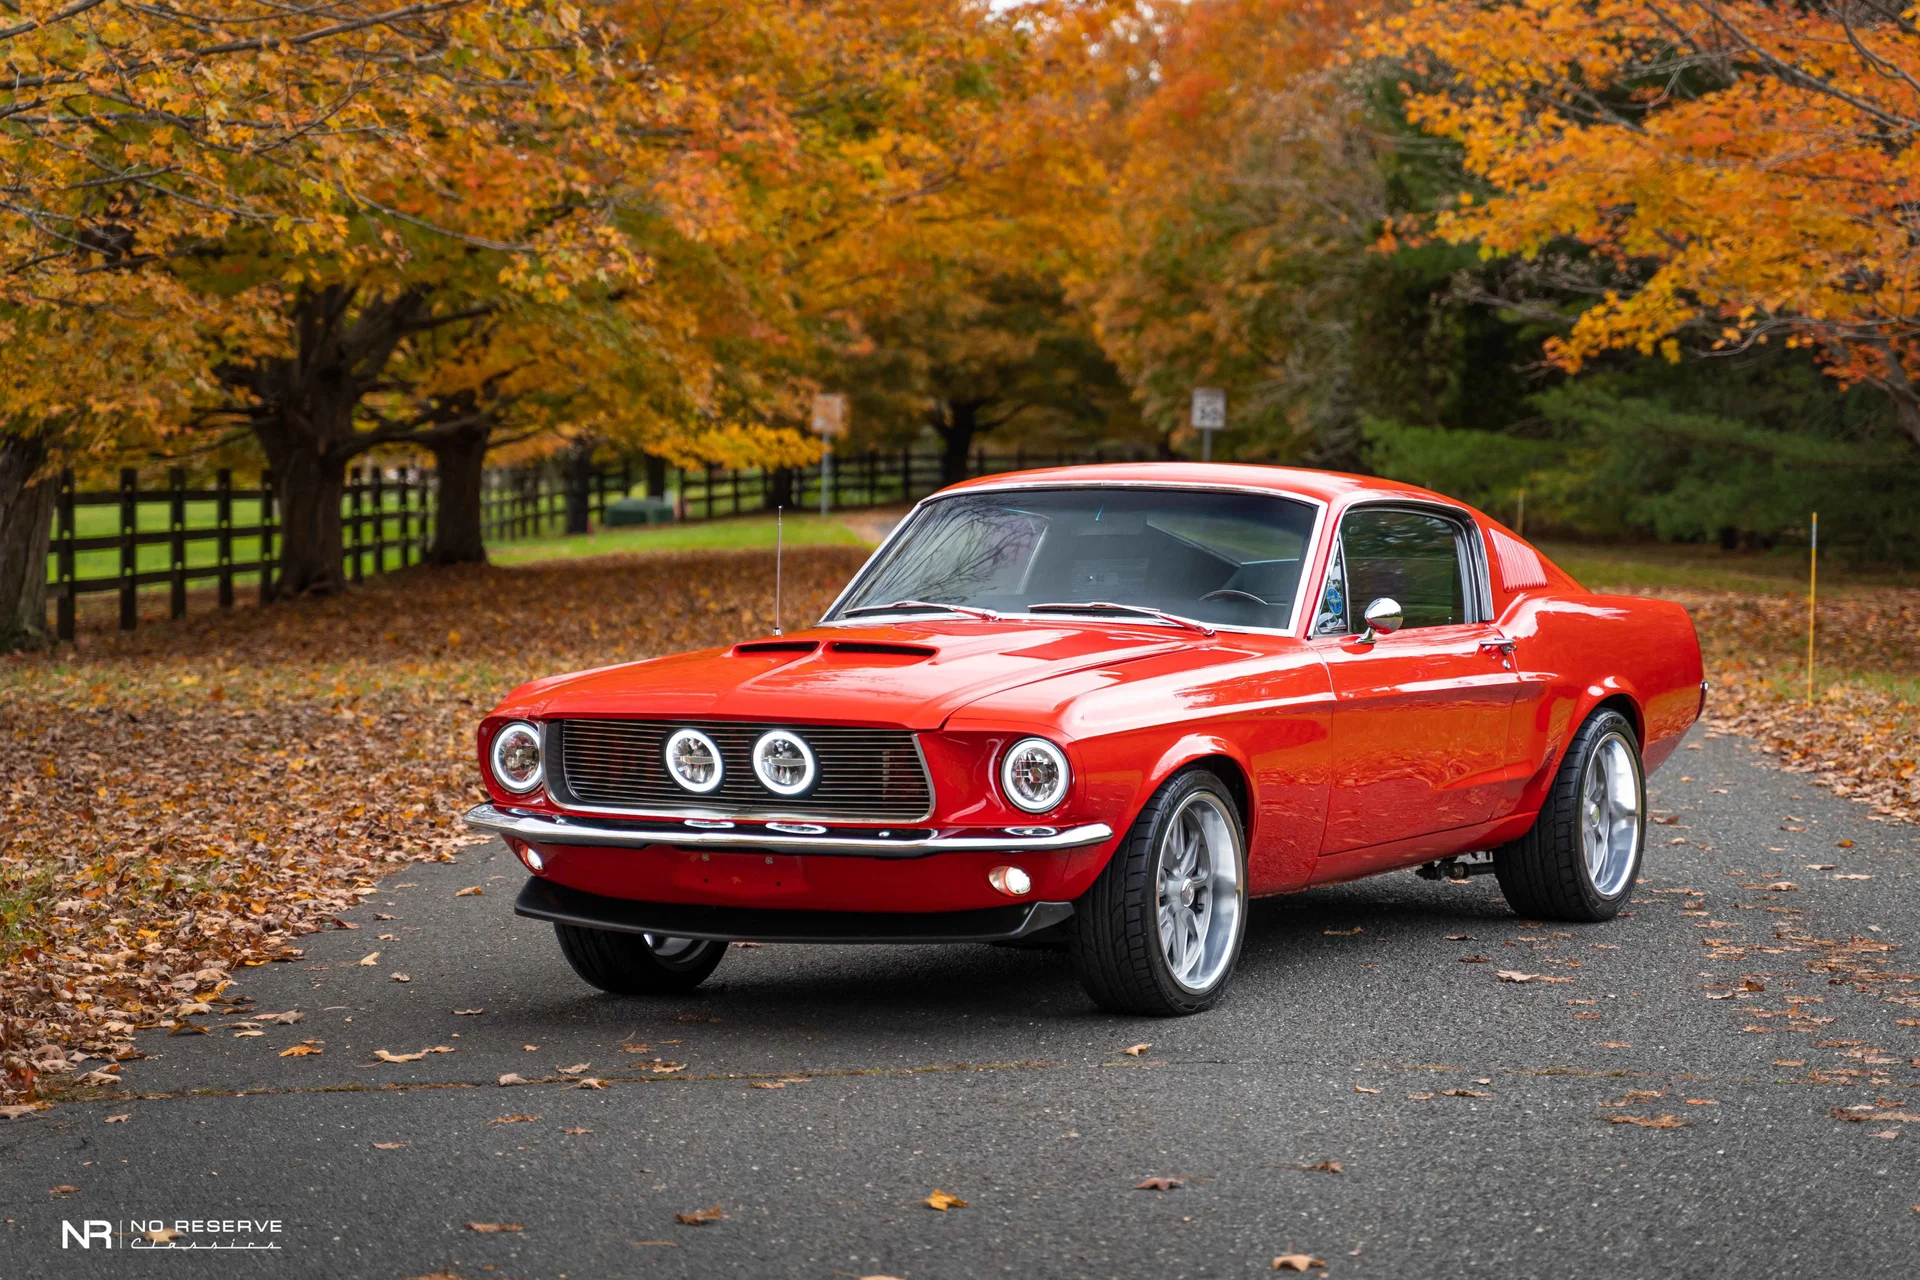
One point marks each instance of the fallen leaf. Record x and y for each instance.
(1161, 1183)
(1869, 1113)
(1419, 1097)
(1514, 975)
(1821, 866)
(1295, 1262)
(1473, 960)
(120, 1119)
(1343, 933)
(511, 1078)
(370, 959)
(384, 1056)
(288, 1018)
(1782, 886)
(160, 1235)
(62, 1190)
(576, 1131)
(1360, 1088)
(589, 1082)
(390, 1146)
(16, 1110)
(471, 891)
(244, 1035)
(1651, 1122)
(493, 1228)
(942, 1201)
(467, 1013)
(1703, 1102)
(1789, 1062)
(769, 1084)
(699, 1217)
(1885, 1133)
(1134, 1051)
(1853, 876)
(1615, 1044)
(400, 977)
(301, 1051)
(185, 1028)
(1460, 937)
(1465, 1093)
(513, 1119)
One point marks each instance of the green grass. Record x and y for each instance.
(747, 531)
(1699, 568)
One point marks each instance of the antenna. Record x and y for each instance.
(779, 548)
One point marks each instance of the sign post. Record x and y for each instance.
(1209, 416)
(830, 424)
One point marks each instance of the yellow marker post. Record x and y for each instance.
(1813, 583)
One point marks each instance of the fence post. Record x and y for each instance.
(223, 521)
(402, 515)
(356, 492)
(266, 535)
(379, 519)
(177, 543)
(69, 596)
(906, 473)
(129, 549)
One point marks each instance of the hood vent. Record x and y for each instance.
(775, 646)
(881, 649)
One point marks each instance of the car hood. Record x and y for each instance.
(910, 675)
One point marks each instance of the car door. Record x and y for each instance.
(1420, 716)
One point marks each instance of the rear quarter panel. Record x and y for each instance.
(1576, 650)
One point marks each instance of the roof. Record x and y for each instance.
(1327, 486)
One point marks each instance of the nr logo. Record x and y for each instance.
(89, 1230)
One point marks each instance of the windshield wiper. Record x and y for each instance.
(921, 606)
(1108, 606)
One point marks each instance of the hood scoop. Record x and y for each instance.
(884, 649)
(774, 646)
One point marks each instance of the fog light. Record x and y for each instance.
(1011, 881)
(531, 856)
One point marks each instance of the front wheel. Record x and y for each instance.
(1580, 860)
(1160, 931)
(638, 964)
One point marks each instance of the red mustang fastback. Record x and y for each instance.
(1103, 706)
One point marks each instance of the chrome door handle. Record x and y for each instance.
(1502, 647)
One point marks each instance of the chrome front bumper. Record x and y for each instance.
(547, 829)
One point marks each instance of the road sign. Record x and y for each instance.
(830, 415)
(1209, 409)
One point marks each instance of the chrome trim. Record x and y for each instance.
(614, 811)
(1308, 553)
(535, 829)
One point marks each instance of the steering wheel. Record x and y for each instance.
(1232, 593)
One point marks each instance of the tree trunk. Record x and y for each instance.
(26, 516)
(579, 488)
(959, 425)
(460, 458)
(656, 476)
(307, 489)
(780, 488)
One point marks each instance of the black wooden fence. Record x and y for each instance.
(388, 513)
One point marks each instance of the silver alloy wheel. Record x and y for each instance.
(1610, 802)
(1200, 899)
(667, 948)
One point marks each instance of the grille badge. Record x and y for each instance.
(710, 824)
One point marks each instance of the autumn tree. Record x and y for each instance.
(1704, 177)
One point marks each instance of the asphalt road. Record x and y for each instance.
(985, 1073)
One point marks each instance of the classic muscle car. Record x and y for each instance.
(1102, 707)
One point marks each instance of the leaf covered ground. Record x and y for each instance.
(190, 798)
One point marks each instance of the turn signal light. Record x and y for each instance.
(1011, 881)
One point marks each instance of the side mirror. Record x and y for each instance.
(1383, 619)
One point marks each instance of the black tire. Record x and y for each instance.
(1114, 935)
(1544, 874)
(626, 964)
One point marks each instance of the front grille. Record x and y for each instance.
(873, 774)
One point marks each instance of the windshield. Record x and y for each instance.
(1226, 558)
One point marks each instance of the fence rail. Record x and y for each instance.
(226, 534)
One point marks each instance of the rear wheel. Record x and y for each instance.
(1159, 932)
(1581, 858)
(638, 964)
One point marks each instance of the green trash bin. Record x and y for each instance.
(628, 511)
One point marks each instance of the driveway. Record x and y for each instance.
(1371, 1093)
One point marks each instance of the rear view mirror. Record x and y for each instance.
(1383, 618)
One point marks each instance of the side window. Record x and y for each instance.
(1410, 556)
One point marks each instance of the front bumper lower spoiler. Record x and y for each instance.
(544, 900)
(547, 829)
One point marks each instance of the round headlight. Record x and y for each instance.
(1034, 775)
(694, 761)
(784, 762)
(516, 757)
